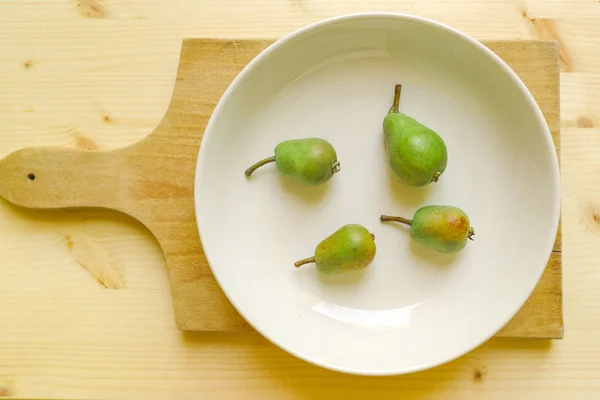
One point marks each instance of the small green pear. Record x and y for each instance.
(312, 161)
(416, 154)
(441, 228)
(350, 248)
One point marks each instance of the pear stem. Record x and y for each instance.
(304, 261)
(471, 234)
(396, 105)
(259, 164)
(436, 177)
(387, 218)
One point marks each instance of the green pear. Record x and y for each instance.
(350, 248)
(416, 154)
(312, 161)
(441, 228)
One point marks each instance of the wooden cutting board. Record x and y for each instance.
(153, 180)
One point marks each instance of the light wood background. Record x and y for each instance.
(98, 74)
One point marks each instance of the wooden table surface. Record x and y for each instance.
(98, 74)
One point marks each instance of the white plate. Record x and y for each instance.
(411, 309)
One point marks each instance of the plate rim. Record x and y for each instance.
(404, 17)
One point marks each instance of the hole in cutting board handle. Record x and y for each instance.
(31, 177)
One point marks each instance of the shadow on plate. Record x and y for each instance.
(432, 256)
(306, 193)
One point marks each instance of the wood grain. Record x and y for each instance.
(63, 335)
(153, 180)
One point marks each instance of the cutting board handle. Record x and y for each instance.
(63, 178)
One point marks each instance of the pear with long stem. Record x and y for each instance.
(312, 161)
(445, 229)
(350, 248)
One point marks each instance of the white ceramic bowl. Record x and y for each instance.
(412, 308)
